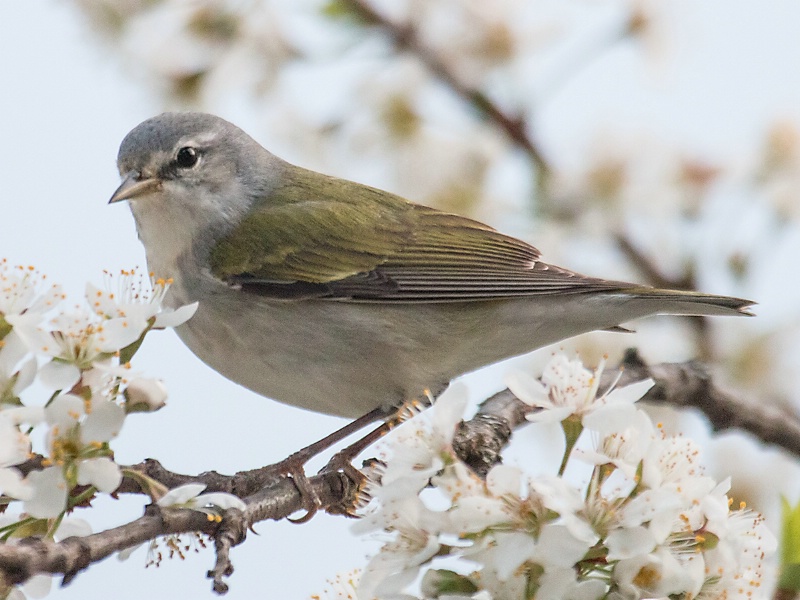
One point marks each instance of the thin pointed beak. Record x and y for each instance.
(133, 186)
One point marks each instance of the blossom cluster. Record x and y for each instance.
(55, 455)
(629, 514)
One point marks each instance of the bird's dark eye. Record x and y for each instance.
(186, 157)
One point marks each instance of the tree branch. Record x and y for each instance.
(689, 385)
(277, 500)
(272, 496)
(406, 38)
(683, 385)
(649, 269)
(31, 556)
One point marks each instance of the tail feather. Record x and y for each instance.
(678, 302)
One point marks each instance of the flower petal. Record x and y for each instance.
(630, 393)
(118, 333)
(101, 301)
(28, 328)
(173, 318)
(103, 423)
(65, 411)
(504, 480)
(103, 473)
(49, 493)
(13, 350)
(72, 527)
(145, 394)
(629, 542)
(125, 554)
(25, 375)
(12, 484)
(38, 586)
(557, 547)
(219, 500)
(181, 494)
(58, 375)
(528, 389)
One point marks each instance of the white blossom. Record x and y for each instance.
(562, 583)
(74, 342)
(15, 446)
(648, 523)
(134, 300)
(78, 422)
(655, 575)
(13, 485)
(17, 368)
(568, 388)
(421, 447)
(626, 435)
(190, 496)
(19, 291)
(72, 526)
(103, 421)
(181, 495)
(415, 541)
(37, 586)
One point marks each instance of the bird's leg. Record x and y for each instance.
(293, 465)
(310, 451)
(343, 460)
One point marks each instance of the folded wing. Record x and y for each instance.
(316, 241)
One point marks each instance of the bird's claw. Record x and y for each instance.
(341, 463)
(293, 467)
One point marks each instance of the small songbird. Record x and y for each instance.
(341, 298)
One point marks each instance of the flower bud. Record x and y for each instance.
(145, 395)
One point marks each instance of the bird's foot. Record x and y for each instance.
(341, 462)
(293, 466)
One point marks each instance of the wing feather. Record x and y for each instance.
(312, 238)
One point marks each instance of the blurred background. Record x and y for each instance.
(630, 139)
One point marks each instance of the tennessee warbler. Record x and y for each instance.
(338, 297)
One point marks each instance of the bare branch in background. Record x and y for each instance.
(406, 38)
(682, 385)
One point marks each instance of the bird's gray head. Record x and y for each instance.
(190, 177)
